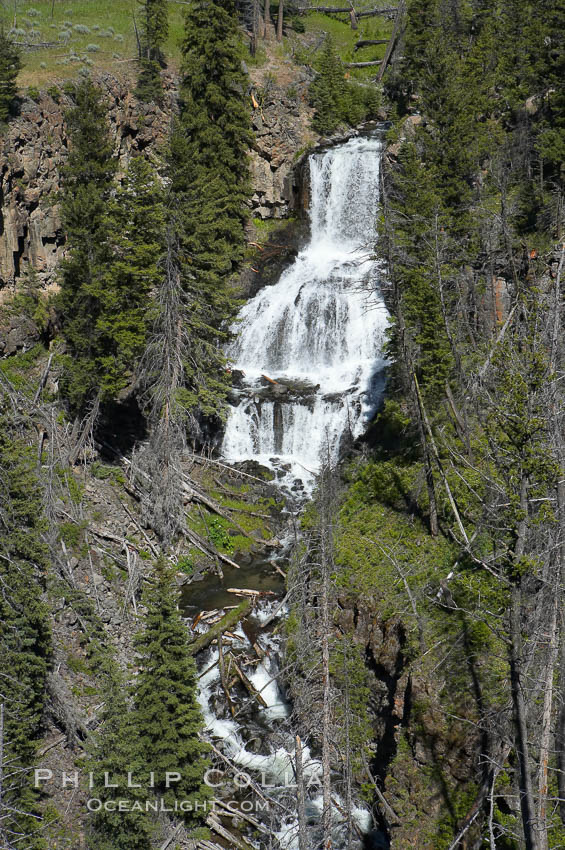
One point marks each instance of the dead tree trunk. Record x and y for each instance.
(280, 21)
(545, 740)
(300, 794)
(393, 39)
(527, 807)
(520, 719)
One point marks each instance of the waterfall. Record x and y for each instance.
(309, 347)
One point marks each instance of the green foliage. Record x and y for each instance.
(352, 680)
(152, 59)
(136, 237)
(25, 639)
(111, 267)
(113, 752)
(30, 301)
(10, 64)
(416, 215)
(167, 715)
(335, 99)
(378, 540)
(209, 185)
(87, 183)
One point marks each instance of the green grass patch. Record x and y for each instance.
(22, 370)
(222, 532)
(94, 34)
(78, 664)
(344, 39)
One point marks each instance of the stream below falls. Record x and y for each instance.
(311, 373)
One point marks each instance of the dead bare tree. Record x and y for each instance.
(163, 377)
(280, 21)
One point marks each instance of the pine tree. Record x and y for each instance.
(552, 136)
(209, 185)
(336, 99)
(417, 216)
(111, 758)
(136, 233)
(25, 640)
(10, 64)
(167, 715)
(328, 92)
(152, 59)
(112, 266)
(87, 183)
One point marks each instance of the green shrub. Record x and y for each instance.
(34, 93)
(185, 565)
(82, 29)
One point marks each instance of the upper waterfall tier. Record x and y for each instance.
(318, 333)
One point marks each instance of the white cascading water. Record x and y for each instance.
(318, 333)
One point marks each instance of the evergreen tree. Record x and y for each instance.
(209, 185)
(328, 92)
(335, 98)
(10, 64)
(87, 183)
(25, 640)
(136, 226)
(152, 58)
(111, 758)
(112, 264)
(552, 137)
(419, 337)
(167, 715)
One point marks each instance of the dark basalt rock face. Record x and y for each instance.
(33, 150)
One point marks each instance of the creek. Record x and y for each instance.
(308, 352)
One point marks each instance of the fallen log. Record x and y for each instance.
(207, 548)
(276, 612)
(223, 676)
(228, 836)
(227, 622)
(367, 42)
(362, 64)
(227, 812)
(249, 684)
(255, 594)
(51, 746)
(340, 10)
(171, 838)
(393, 39)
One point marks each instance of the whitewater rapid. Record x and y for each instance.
(319, 332)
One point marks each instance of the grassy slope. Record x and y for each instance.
(110, 29)
(109, 40)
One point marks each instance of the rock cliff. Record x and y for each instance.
(34, 148)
